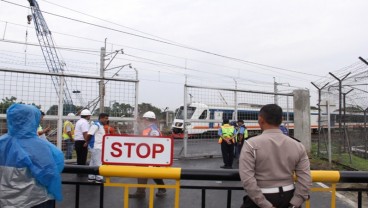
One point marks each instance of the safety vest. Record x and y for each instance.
(65, 135)
(227, 131)
(152, 127)
(245, 133)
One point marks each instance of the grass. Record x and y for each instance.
(319, 164)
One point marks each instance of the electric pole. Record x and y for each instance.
(102, 81)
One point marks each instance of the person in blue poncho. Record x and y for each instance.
(29, 167)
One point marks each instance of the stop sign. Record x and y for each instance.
(137, 150)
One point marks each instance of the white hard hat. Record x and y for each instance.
(71, 114)
(149, 114)
(86, 112)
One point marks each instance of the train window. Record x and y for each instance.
(288, 116)
(190, 112)
(227, 115)
(203, 115)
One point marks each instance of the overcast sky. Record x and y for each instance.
(301, 40)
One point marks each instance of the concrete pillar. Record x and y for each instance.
(302, 130)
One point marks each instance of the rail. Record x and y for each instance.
(178, 174)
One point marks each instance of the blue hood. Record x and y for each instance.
(22, 148)
(21, 119)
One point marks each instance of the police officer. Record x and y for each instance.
(227, 140)
(268, 162)
(241, 135)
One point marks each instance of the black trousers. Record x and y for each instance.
(81, 152)
(227, 151)
(238, 147)
(46, 204)
(278, 200)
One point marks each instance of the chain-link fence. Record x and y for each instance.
(42, 89)
(196, 125)
(343, 105)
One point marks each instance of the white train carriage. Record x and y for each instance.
(206, 120)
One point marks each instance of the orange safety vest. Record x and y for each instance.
(147, 131)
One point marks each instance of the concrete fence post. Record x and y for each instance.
(302, 130)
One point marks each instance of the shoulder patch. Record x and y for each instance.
(295, 139)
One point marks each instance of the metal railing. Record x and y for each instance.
(178, 174)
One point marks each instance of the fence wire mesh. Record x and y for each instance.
(346, 93)
(42, 90)
(206, 109)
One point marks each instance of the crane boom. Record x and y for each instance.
(48, 49)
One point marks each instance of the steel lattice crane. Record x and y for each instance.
(54, 64)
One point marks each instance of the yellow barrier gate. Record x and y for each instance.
(178, 174)
(141, 172)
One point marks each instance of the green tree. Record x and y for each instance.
(127, 110)
(67, 108)
(7, 102)
(144, 107)
(118, 110)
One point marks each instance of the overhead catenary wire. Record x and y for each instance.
(58, 47)
(133, 30)
(155, 52)
(169, 43)
(108, 21)
(154, 62)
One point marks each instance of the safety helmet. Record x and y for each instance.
(86, 112)
(71, 114)
(149, 114)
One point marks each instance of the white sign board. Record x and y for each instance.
(137, 150)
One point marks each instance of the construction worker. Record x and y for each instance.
(151, 129)
(227, 135)
(81, 129)
(41, 132)
(68, 137)
(109, 129)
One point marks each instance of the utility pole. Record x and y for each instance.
(344, 100)
(319, 113)
(102, 81)
(340, 93)
(365, 121)
(236, 101)
(365, 133)
(103, 69)
(275, 89)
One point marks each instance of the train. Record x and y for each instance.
(205, 120)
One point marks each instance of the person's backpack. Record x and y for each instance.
(91, 142)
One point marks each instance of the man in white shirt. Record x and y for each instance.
(80, 135)
(94, 139)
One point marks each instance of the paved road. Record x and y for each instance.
(113, 197)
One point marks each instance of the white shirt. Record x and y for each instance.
(99, 131)
(81, 126)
